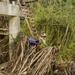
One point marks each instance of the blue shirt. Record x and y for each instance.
(31, 41)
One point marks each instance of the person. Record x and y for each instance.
(43, 37)
(33, 42)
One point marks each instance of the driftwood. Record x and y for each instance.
(4, 50)
(29, 60)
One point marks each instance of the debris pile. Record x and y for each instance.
(29, 60)
(34, 63)
(4, 49)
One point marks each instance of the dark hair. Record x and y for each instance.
(37, 41)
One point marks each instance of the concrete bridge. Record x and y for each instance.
(13, 12)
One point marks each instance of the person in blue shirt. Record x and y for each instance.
(33, 42)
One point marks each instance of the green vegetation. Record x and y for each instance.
(57, 19)
(24, 28)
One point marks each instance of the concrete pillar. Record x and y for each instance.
(14, 29)
(14, 12)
